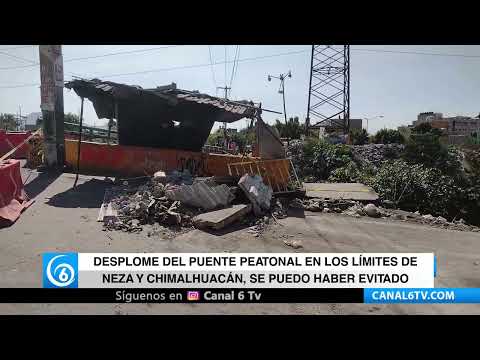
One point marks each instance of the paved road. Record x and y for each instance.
(63, 219)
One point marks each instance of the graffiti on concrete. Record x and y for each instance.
(194, 166)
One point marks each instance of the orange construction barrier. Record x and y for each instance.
(9, 140)
(13, 199)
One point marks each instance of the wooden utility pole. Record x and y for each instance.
(51, 89)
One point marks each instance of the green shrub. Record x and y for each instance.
(425, 148)
(416, 187)
(359, 136)
(345, 174)
(292, 129)
(320, 158)
(388, 136)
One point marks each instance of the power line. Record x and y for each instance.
(94, 56)
(204, 65)
(183, 67)
(122, 53)
(17, 57)
(234, 67)
(25, 85)
(235, 58)
(17, 47)
(225, 77)
(417, 53)
(211, 66)
(18, 86)
(251, 59)
(152, 49)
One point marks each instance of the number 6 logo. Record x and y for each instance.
(66, 276)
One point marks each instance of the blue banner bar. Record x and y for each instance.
(422, 296)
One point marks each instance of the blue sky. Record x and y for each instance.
(395, 85)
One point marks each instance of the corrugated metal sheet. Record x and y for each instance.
(162, 117)
(202, 195)
(84, 87)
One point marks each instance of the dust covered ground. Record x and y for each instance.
(63, 219)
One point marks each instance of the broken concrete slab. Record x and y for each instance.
(218, 219)
(346, 191)
(257, 192)
(201, 195)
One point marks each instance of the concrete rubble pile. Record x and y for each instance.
(180, 201)
(375, 154)
(357, 209)
(147, 204)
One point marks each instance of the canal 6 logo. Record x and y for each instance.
(60, 270)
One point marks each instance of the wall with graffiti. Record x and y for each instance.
(111, 160)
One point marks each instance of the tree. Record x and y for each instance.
(215, 138)
(8, 122)
(424, 147)
(426, 128)
(405, 132)
(388, 136)
(242, 138)
(292, 129)
(359, 136)
(71, 118)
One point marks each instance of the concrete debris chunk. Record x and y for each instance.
(278, 211)
(257, 192)
(428, 217)
(371, 210)
(441, 220)
(218, 219)
(201, 195)
(296, 244)
(136, 205)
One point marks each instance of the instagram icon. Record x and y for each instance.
(193, 296)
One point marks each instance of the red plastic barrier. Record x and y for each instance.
(8, 140)
(13, 199)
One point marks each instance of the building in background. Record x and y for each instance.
(457, 128)
(33, 121)
(427, 117)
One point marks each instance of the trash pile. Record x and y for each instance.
(179, 201)
(375, 154)
(357, 209)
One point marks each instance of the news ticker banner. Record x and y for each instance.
(239, 270)
(239, 278)
(245, 295)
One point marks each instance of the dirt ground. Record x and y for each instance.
(64, 219)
